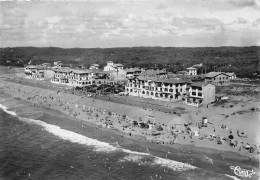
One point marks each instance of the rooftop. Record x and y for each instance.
(191, 68)
(214, 74)
(162, 80)
(151, 72)
(80, 71)
(117, 65)
(63, 69)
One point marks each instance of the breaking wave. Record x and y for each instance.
(7, 111)
(154, 160)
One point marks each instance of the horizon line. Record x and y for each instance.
(127, 47)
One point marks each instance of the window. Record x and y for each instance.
(143, 92)
(152, 93)
(171, 90)
(165, 89)
(200, 94)
(193, 93)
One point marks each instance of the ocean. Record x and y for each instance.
(33, 149)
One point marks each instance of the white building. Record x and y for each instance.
(160, 89)
(232, 75)
(72, 77)
(191, 71)
(94, 67)
(34, 72)
(200, 94)
(113, 67)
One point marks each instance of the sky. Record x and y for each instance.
(130, 23)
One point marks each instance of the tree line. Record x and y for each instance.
(244, 61)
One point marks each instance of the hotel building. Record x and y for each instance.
(160, 89)
(72, 77)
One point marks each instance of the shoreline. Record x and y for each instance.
(178, 152)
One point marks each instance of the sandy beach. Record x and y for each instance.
(94, 118)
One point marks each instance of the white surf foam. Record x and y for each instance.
(154, 160)
(7, 111)
(66, 134)
(138, 157)
(72, 136)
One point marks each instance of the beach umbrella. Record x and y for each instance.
(231, 136)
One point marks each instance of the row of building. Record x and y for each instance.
(154, 84)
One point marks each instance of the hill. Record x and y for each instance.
(244, 61)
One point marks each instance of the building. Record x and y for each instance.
(150, 73)
(113, 67)
(217, 78)
(200, 94)
(71, 77)
(46, 65)
(132, 72)
(57, 64)
(94, 67)
(61, 75)
(80, 78)
(232, 75)
(191, 71)
(34, 72)
(160, 89)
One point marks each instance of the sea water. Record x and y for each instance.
(33, 149)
